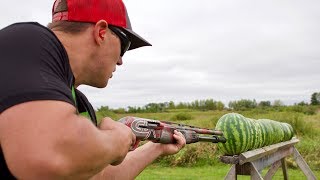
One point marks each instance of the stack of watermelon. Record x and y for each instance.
(245, 134)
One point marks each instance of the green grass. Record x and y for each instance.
(208, 172)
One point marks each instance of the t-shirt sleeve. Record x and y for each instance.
(33, 66)
(84, 106)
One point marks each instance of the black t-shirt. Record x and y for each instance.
(34, 66)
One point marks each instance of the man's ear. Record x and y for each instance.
(100, 31)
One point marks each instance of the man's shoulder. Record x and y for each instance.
(25, 25)
(26, 30)
(31, 36)
(37, 61)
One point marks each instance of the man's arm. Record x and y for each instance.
(140, 158)
(47, 140)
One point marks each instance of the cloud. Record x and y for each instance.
(225, 50)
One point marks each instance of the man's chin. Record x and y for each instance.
(102, 84)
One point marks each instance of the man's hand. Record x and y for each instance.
(169, 149)
(140, 158)
(126, 137)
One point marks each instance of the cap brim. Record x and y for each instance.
(136, 40)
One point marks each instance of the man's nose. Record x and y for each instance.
(119, 61)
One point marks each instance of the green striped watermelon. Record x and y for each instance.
(291, 130)
(245, 134)
(278, 132)
(236, 130)
(260, 135)
(263, 133)
(255, 134)
(286, 130)
(268, 131)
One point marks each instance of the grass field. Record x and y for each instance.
(207, 172)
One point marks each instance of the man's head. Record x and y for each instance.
(105, 20)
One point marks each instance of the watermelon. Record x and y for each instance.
(236, 129)
(268, 130)
(263, 134)
(286, 130)
(291, 130)
(276, 131)
(245, 134)
(255, 134)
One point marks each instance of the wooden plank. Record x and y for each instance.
(273, 169)
(229, 159)
(270, 159)
(255, 173)
(232, 175)
(284, 169)
(303, 165)
(255, 154)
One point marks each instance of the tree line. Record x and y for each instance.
(210, 104)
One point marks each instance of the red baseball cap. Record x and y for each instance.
(112, 11)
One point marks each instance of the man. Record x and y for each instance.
(43, 134)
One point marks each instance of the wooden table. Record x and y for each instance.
(253, 162)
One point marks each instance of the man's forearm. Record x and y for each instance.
(133, 164)
(96, 149)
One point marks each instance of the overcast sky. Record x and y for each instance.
(220, 49)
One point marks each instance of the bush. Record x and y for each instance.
(119, 111)
(181, 117)
(197, 154)
(308, 110)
